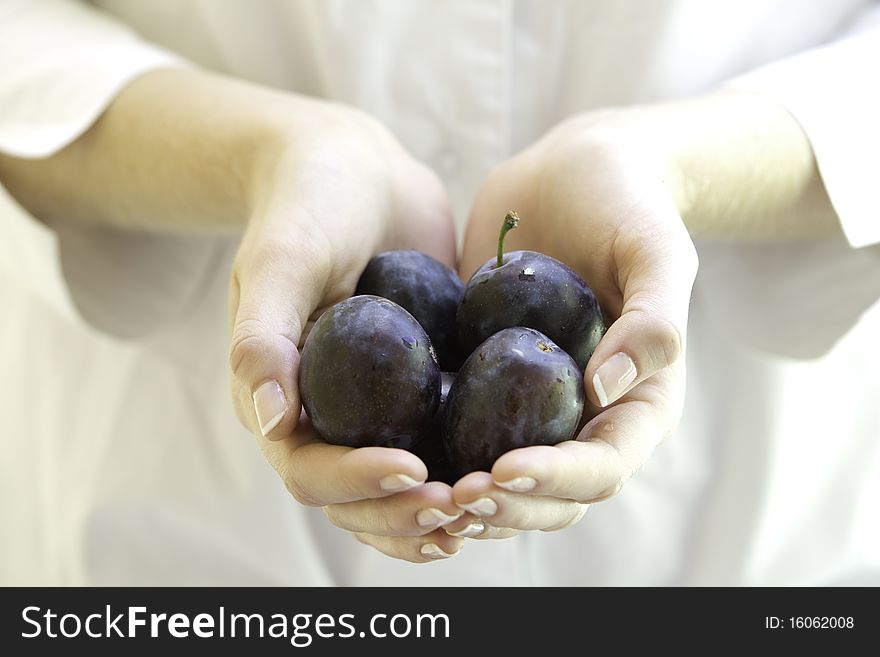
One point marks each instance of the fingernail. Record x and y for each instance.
(270, 405)
(613, 378)
(434, 518)
(518, 485)
(485, 506)
(394, 483)
(433, 551)
(474, 529)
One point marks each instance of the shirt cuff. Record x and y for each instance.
(61, 64)
(832, 92)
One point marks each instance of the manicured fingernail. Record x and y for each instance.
(518, 485)
(270, 405)
(433, 551)
(485, 506)
(434, 518)
(613, 378)
(474, 529)
(394, 483)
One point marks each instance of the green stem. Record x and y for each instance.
(511, 221)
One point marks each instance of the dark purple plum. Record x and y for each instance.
(517, 389)
(425, 287)
(369, 375)
(525, 288)
(434, 456)
(430, 449)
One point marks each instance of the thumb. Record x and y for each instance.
(656, 271)
(277, 282)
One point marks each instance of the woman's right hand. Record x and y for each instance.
(335, 193)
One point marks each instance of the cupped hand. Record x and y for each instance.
(338, 191)
(599, 193)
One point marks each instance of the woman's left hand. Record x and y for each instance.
(597, 194)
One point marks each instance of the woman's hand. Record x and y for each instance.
(333, 196)
(616, 195)
(596, 194)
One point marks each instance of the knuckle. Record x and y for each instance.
(390, 523)
(332, 514)
(577, 513)
(247, 344)
(663, 340)
(298, 491)
(613, 489)
(619, 484)
(668, 340)
(513, 516)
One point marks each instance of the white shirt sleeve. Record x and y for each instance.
(834, 94)
(61, 63)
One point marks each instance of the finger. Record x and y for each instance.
(608, 451)
(656, 271)
(470, 526)
(477, 494)
(278, 281)
(497, 533)
(317, 473)
(436, 546)
(466, 526)
(415, 512)
(573, 520)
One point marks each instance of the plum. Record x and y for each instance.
(525, 288)
(433, 454)
(426, 288)
(430, 449)
(369, 375)
(518, 388)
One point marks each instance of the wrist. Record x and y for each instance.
(276, 143)
(741, 167)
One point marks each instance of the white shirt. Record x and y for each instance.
(123, 461)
